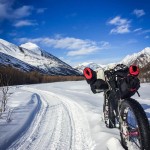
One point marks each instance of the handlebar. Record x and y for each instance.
(90, 75)
(111, 75)
(124, 71)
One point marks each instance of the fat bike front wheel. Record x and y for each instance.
(134, 126)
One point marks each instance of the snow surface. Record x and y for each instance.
(62, 116)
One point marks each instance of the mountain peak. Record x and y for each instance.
(32, 47)
(146, 50)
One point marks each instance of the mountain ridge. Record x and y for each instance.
(34, 58)
(140, 59)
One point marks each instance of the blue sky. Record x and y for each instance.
(76, 31)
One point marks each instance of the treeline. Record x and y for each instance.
(12, 76)
(145, 73)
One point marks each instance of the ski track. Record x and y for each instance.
(60, 124)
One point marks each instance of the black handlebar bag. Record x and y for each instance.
(99, 86)
(128, 86)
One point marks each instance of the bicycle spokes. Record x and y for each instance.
(130, 129)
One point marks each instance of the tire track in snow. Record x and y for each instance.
(60, 135)
(60, 125)
(81, 138)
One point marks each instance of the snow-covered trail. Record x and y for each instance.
(60, 124)
(62, 116)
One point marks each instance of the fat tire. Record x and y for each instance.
(142, 121)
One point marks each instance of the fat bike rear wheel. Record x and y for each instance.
(134, 126)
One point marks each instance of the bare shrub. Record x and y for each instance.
(4, 81)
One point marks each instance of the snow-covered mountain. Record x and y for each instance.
(7, 60)
(141, 58)
(91, 65)
(30, 57)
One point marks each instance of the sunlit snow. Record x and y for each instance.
(62, 116)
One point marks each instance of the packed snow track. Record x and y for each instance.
(60, 124)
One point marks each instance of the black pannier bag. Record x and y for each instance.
(128, 86)
(97, 85)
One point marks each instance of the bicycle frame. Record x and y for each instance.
(110, 78)
(113, 92)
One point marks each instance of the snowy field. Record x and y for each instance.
(62, 116)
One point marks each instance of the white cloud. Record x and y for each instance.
(121, 29)
(121, 25)
(41, 10)
(75, 47)
(22, 23)
(139, 12)
(142, 31)
(83, 51)
(137, 30)
(8, 12)
(22, 12)
(118, 21)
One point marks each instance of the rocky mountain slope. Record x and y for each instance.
(30, 57)
(140, 59)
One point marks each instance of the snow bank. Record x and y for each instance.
(22, 116)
